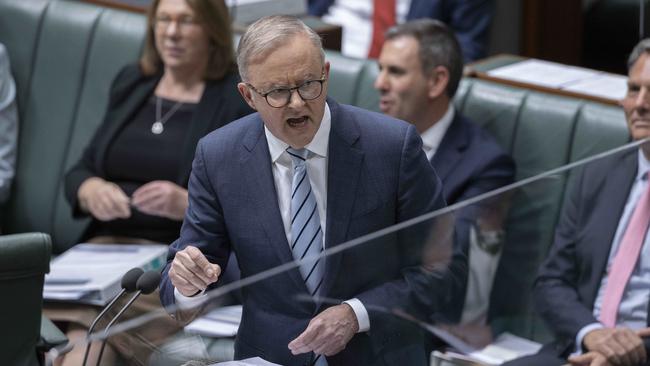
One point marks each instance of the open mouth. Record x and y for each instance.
(297, 122)
(384, 105)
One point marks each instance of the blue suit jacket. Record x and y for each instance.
(377, 176)
(469, 163)
(470, 20)
(569, 278)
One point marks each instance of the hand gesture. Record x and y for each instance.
(328, 333)
(619, 346)
(161, 198)
(191, 272)
(589, 359)
(103, 200)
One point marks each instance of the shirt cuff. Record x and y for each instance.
(581, 335)
(186, 302)
(361, 313)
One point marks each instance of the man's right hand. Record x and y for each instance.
(191, 272)
(103, 200)
(620, 346)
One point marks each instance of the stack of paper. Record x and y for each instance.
(220, 322)
(564, 77)
(92, 273)
(505, 348)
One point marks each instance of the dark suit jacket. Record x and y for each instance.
(469, 163)
(378, 175)
(568, 280)
(220, 104)
(470, 20)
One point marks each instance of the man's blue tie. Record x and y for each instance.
(306, 233)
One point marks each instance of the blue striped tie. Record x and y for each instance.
(306, 233)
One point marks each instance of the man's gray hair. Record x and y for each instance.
(438, 47)
(267, 34)
(642, 47)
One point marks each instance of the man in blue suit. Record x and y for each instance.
(306, 170)
(571, 290)
(470, 20)
(420, 68)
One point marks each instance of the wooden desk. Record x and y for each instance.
(480, 69)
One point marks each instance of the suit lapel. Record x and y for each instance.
(261, 188)
(344, 167)
(615, 192)
(450, 150)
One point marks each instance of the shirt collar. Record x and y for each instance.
(432, 137)
(318, 145)
(644, 165)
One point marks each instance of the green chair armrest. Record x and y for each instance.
(51, 336)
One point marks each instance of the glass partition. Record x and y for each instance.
(461, 275)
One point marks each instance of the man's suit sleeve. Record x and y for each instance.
(555, 292)
(419, 291)
(203, 226)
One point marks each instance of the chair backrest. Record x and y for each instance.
(64, 56)
(24, 260)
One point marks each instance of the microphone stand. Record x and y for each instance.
(101, 350)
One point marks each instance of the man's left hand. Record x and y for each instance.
(328, 333)
(589, 359)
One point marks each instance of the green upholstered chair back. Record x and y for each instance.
(541, 132)
(24, 260)
(64, 56)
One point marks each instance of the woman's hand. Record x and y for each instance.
(104, 200)
(161, 198)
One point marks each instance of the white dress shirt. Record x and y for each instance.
(355, 17)
(282, 175)
(432, 137)
(633, 310)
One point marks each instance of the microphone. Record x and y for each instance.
(128, 284)
(146, 284)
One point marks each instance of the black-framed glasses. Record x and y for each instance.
(162, 22)
(280, 97)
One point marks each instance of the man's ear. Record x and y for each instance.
(327, 69)
(246, 94)
(438, 80)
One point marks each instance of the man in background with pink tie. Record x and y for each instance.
(594, 287)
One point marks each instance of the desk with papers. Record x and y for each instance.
(92, 273)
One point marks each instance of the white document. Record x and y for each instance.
(255, 361)
(603, 85)
(92, 273)
(544, 73)
(220, 322)
(504, 348)
(564, 77)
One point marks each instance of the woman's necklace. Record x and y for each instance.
(159, 126)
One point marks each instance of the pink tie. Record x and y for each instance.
(625, 260)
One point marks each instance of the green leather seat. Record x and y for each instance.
(64, 55)
(24, 260)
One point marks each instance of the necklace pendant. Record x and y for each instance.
(157, 128)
